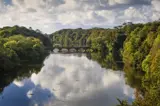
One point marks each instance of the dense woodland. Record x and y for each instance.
(137, 45)
(142, 53)
(19, 44)
(105, 42)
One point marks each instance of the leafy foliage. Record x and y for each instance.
(16, 48)
(108, 42)
(138, 45)
(17, 30)
(142, 53)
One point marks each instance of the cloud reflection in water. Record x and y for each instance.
(75, 81)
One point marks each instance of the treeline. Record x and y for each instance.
(69, 37)
(27, 32)
(19, 44)
(137, 45)
(104, 42)
(142, 53)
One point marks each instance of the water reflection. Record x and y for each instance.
(107, 61)
(19, 73)
(67, 80)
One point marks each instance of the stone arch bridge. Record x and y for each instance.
(84, 48)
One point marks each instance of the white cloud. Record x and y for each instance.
(114, 2)
(132, 12)
(2, 6)
(156, 9)
(18, 83)
(156, 5)
(108, 16)
(138, 14)
(79, 81)
(67, 80)
(51, 15)
(30, 94)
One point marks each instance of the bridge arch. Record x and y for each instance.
(72, 50)
(69, 49)
(64, 50)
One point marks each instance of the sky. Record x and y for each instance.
(52, 15)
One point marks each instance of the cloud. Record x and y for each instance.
(138, 14)
(2, 6)
(18, 83)
(114, 2)
(67, 80)
(52, 15)
(79, 81)
(156, 4)
(156, 9)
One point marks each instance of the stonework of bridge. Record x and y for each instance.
(85, 48)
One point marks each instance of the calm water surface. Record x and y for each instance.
(67, 80)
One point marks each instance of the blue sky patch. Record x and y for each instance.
(8, 2)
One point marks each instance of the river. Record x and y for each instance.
(66, 80)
